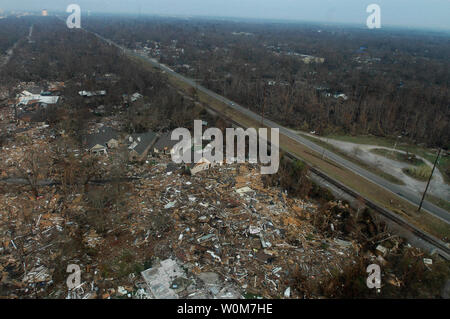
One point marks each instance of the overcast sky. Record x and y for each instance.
(408, 13)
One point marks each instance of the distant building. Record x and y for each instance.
(136, 96)
(341, 96)
(36, 95)
(362, 49)
(44, 13)
(92, 93)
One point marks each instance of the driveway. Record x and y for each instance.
(438, 187)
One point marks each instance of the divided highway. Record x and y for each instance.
(396, 189)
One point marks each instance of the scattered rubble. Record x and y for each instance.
(163, 233)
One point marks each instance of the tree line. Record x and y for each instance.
(396, 81)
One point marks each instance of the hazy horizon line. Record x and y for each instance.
(241, 18)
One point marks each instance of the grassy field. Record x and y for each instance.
(355, 160)
(379, 195)
(443, 164)
(421, 173)
(399, 157)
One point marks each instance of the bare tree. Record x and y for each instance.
(34, 167)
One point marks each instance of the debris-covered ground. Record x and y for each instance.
(149, 229)
(162, 233)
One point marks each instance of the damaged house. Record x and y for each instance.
(140, 144)
(99, 142)
(29, 98)
(164, 144)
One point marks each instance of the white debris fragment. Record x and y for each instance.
(142, 294)
(343, 243)
(214, 255)
(287, 292)
(253, 230)
(37, 274)
(243, 190)
(427, 261)
(276, 269)
(382, 249)
(122, 291)
(170, 205)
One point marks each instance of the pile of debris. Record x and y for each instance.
(224, 221)
(168, 234)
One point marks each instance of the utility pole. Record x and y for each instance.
(395, 145)
(429, 179)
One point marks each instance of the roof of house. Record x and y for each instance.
(30, 99)
(140, 142)
(35, 90)
(92, 93)
(136, 96)
(165, 141)
(104, 135)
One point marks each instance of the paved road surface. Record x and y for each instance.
(396, 189)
